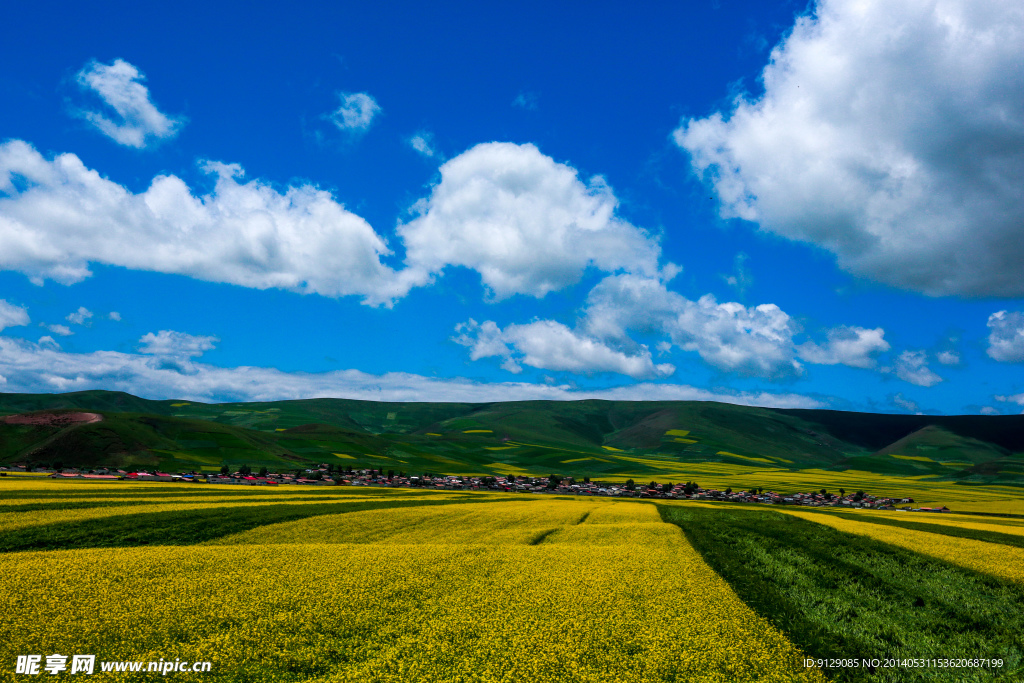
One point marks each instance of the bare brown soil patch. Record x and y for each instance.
(52, 419)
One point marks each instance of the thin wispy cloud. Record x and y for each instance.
(60, 330)
(130, 117)
(424, 144)
(355, 113)
(526, 100)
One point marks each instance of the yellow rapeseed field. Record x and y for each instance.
(519, 589)
(997, 524)
(1004, 561)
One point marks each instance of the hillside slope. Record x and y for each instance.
(602, 439)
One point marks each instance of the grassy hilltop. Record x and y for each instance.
(601, 439)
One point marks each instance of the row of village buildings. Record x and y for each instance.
(323, 476)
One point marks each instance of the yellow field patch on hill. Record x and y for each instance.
(744, 457)
(433, 434)
(344, 455)
(506, 469)
(679, 440)
(498, 448)
(677, 432)
(612, 448)
(919, 458)
(178, 405)
(477, 431)
(566, 462)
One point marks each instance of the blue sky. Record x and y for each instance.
(773, 204)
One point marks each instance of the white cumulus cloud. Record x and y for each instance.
(1006, 336)
(912, 366)
(853, 346)
(137, 122)
(58, 216)
(525, 222)
(62, 330)
(172, 343)
(755, 340)
(1016, 398)
(44, 368)
(890, 133)
(748, 340)
(551, 345)
(80, 316)
(12, 315)
(356, 112)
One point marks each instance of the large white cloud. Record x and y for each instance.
(525, 222)
(39, 368)
(138, 122)
(553, 346)
(1006, 336)
(890, 133)
(59, 216)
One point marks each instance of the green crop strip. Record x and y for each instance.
(117, 501)
(181, 527)
(842, 596)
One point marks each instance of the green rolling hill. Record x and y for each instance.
(601, 439)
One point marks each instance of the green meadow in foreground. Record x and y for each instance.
(839, 595)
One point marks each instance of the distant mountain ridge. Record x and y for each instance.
(595, 438)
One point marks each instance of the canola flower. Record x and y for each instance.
(610, 594)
